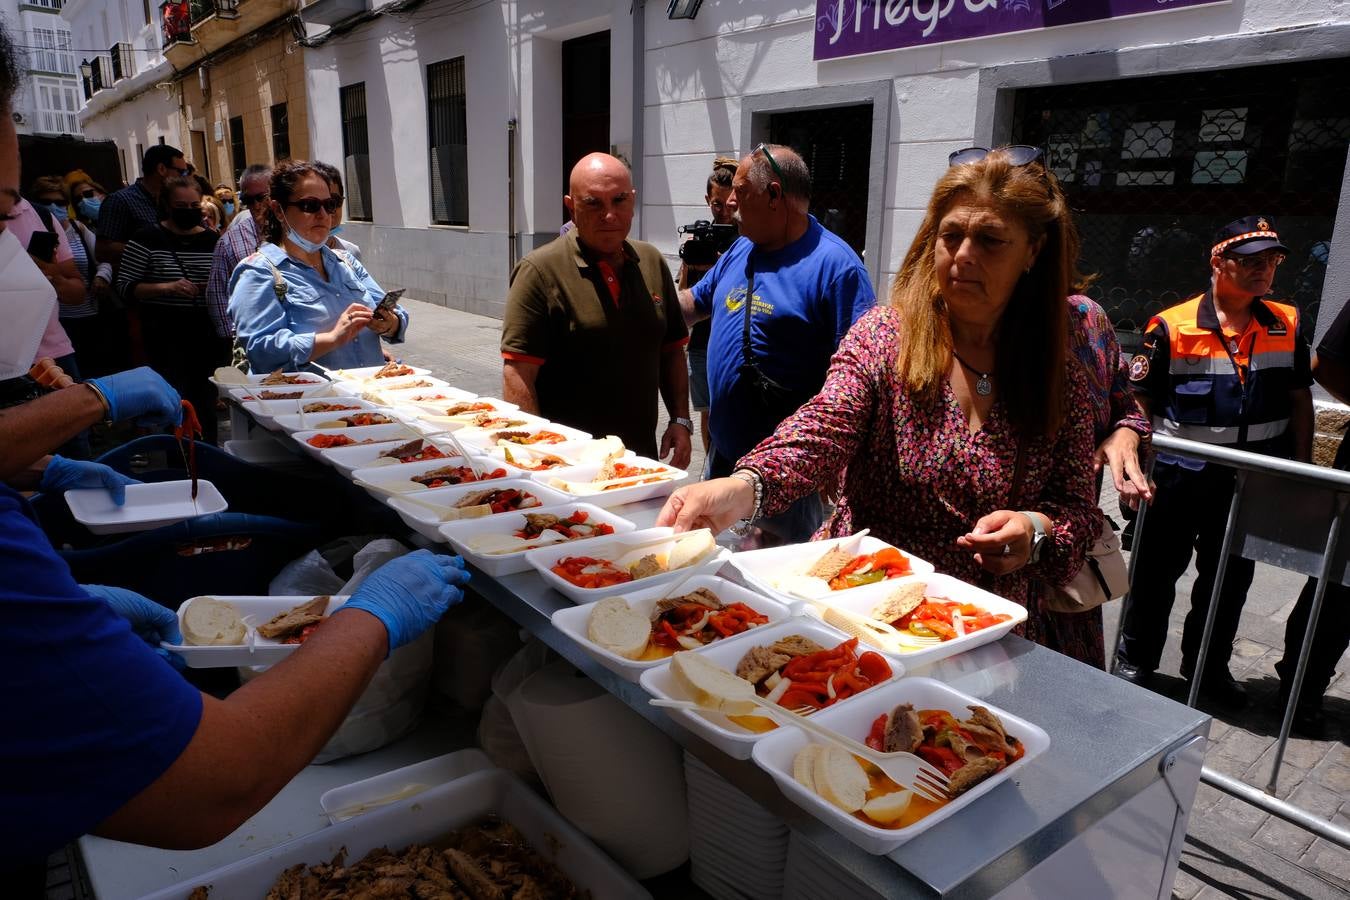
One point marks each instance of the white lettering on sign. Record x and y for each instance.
(897, 12)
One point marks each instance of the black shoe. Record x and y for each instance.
(1132, 673)
(1309, 722)
(1221, 688)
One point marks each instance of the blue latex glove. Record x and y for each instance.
(411, 593)
(151, 622)
(141, 397)
(63, 474)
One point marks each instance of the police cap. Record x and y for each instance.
(1250, 234)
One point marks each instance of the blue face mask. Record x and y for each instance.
(335, 230)
(229, 207)
(301, 241)
(57, 209)
(89, 207)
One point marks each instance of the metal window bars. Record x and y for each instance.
(1289, 515)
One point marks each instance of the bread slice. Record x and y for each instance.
(210, 622)
(614, 626)
(840, 780)
(691, 548)
(888, 808)
(831, 564)
(804, 766)
(711, 686)
(903, 601)
(608, 469)
(292, 620)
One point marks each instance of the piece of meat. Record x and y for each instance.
(972, 773)
(831, 564)
(986, 737)
(761, 662)
(293, 620)
(514, 436)
(475, 498)
(701, 597)
(471, 877)
(982, 716)
(796, 645)
(288, 885)
(646, 567)
(201, 892)
(540, 521)
(530, 890)
(903, 732)
(404, 451)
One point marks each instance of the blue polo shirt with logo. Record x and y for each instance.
(807, 296)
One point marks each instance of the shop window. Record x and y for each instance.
(1153, 166)
(281, 133)
(238, 151)
(835, 143)
(447, 131)
(355, 151)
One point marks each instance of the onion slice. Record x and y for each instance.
(779, 690)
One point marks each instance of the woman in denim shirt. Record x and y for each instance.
(326, 312)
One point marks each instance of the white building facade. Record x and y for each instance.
(1161, 125)
(128, 97)
(50, 100)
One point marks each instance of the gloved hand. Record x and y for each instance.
(151, 622)
(142, 397)
(63, 474)
(411, 593)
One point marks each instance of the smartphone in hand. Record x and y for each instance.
(390, 300)
(42, 245)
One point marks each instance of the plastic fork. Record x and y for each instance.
(881, 635)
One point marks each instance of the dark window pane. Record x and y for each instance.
(237, 150)
(447, 130)
(281, 133)
(355, 151)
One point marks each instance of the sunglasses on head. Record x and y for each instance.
(312, 205)
(764, 148)
(1018, 154)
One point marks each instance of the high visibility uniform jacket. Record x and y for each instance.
(1223, 389)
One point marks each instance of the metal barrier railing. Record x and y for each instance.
(1298, 530)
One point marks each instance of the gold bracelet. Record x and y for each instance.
(102, 399)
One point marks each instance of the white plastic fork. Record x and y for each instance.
(881, 635)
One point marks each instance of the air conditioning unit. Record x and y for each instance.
(19, 118)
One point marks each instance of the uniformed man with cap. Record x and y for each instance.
(1225, 367)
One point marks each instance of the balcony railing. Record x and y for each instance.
(123, 63)
(177, 21)
(96, 80)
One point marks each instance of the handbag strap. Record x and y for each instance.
(747, 351)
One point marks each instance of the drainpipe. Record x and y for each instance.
(639, 80)
(511, 191)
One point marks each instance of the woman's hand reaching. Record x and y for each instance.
(716, 505)
(1001, 541)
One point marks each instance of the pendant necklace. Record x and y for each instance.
(984, 386)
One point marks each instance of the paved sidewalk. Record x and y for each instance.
(1232, 849)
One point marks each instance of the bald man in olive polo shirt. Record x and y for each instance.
(593, 325)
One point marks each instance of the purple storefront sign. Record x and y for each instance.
(853, 27)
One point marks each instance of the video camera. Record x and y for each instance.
(706, 242)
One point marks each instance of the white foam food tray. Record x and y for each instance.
(520, 454)
(577, 478)
(482, 437)
(361, 797)
(377, 390)
(716, 728)
(367, 374)
(224, 387)
(327, 420)
(463, 534)
(423, 819)
(854, 719)
(438, 407)
(147, 506)
(367, 456)
(573, 621)
(377, 434)
(318, 388)
(427, 521)
(432, 416)
(398, 477)
(862, 600)
(266, 451)
(649, 540)
(265, 412)
(255, 650)
(778, 571)
(404, 396)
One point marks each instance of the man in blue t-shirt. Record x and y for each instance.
(768, 358)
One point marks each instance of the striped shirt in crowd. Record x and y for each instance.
(158, 256)
(87, 268)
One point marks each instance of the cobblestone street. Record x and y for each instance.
(1232, 849)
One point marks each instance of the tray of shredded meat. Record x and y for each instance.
(480, 836)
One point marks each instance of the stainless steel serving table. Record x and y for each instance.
(1101, 814)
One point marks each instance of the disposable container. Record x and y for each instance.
(386, 385)
(265, 412)
(573, 621)
(427, 522)
(398, 476)
(461, 534)
(612, 549)
(380, 434)
(318, 421)
(577, 478)
(365, 796)
(151, 505)
(317, 388)
(348, 459)
(223, 388)
(256, 650)
(775, 753)
(366, 374)
(716, 728)
(482, 437)
(767, 569)
(424, 819)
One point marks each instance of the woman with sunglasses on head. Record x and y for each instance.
(163, 272)
(954, 411)
(296, 301)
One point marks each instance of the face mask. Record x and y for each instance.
(229, 207)
(58, 209)
(300, 240)
(185, 218)
(335, 229)
(27, 299)
(89, 207)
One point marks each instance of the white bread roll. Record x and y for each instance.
(208, 621)
(691, 548)
(839, 779)
(614, 626)
(711, 686)
(888, 808)
(804, 765)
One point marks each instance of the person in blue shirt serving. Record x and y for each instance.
(298, 301)
(768, 355)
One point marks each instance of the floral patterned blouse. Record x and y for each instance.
(919, 479)
(1092, 339)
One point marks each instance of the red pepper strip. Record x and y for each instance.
(795, 698)
(942, 757)
(876, 735)
(190, 429)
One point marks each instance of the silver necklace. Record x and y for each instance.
(984, 385)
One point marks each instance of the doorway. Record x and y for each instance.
(836, 145)
(585, 100)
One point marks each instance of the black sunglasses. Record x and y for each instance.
(312, 205)
(1018, 154)
(764, 148)
(250, 199)
(88, 194)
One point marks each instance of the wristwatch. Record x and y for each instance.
(681, 420)
(1038, 538)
